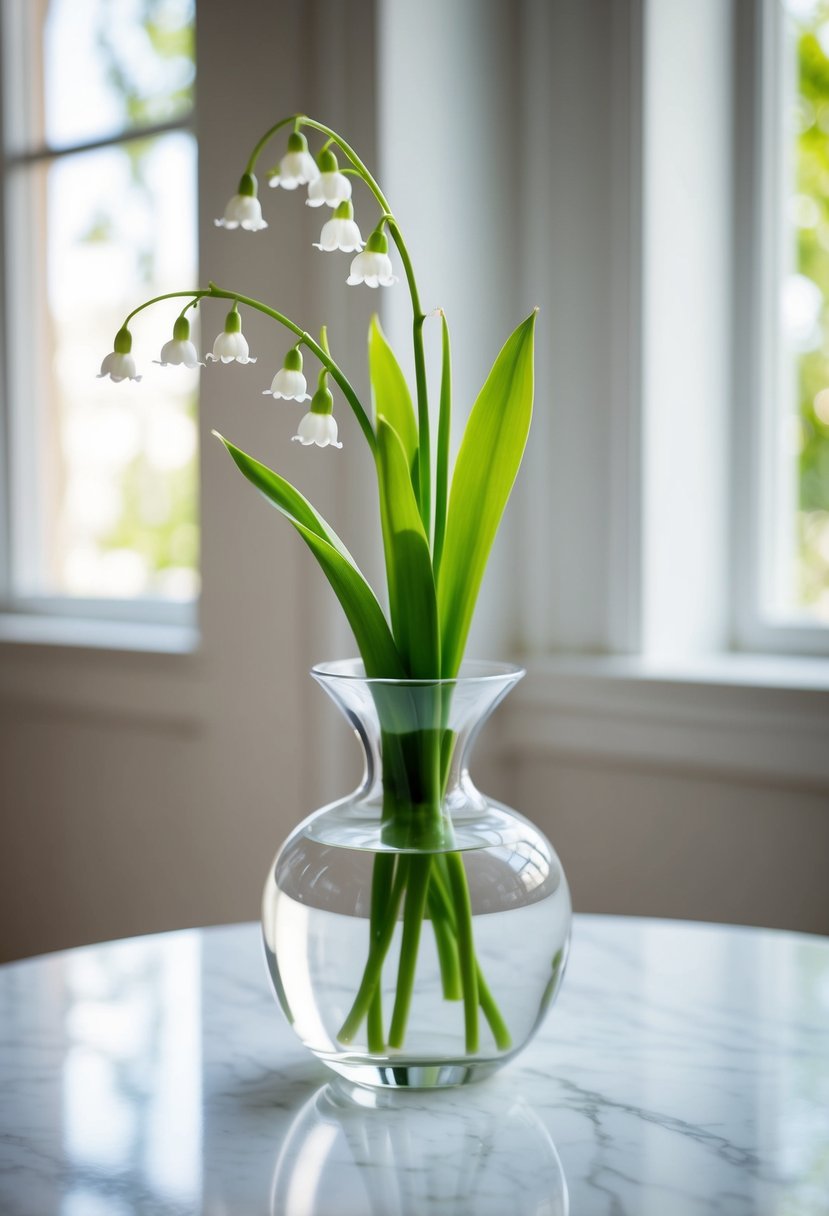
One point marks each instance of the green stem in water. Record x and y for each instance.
(440, 887)
(466, 948)
(413, 913)
(382, 885)
(492, 1013)
(377, 955)
(450, 974)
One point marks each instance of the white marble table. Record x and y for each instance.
(685, 1069)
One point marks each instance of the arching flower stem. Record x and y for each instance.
(283, 122)
(191, 304)
(217, 293)
(336, 373)
(424, 443)
(196, 295)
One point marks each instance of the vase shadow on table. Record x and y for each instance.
(476, 1150)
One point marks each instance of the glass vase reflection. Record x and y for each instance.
(433, 1153)
(416, 932)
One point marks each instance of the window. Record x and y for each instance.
(100, 500)
(786, 602)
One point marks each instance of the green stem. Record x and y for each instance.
(444, 430)
(413, 913)
(217, 293)
(377, 956)
(254, 156)
(466, 948)
(423, 441)
(324, 358)
(382, 885)
(197, 295)
(425, 452)
(490, 1010)
(492, 1013)
(187, 307)
(450, 975)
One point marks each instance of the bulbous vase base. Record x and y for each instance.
(416, 932)
(398, 1074)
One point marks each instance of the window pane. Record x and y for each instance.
(96, 68)
(802, 440)
(105, 475)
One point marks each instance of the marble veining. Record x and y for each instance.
(685, 1069)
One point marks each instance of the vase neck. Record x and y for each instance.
(417, 738)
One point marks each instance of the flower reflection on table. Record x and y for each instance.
(353, 1151)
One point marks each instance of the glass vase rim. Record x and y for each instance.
(472, 672)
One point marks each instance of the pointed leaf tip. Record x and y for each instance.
(486, 467)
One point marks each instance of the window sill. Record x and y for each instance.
(751, 717)
(145, 637)
(117, 672)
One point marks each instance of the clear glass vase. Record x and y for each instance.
(416, 932)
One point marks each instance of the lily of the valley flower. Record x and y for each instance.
(179, 350)
(119, 364)
(341, 232)
(297, 167)
(244, 210)
(231, 345)
(331, 187)
(289, 382)
(373, 265)
(319, 425)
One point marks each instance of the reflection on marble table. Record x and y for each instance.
(684, 1070)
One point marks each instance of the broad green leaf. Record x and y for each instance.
(390, 392)
(485, 470)
(283, 495)
(359, 603)
(412, 598)
(364, 614)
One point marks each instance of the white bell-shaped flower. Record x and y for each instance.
(119, 364)
(244, 210)
(179, 350)
(373, 265)
(319, 426)
(331, 187)
(230, 345)
(341, 232)
(289, 382)
(297, 167)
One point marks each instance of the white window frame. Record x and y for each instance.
(54, 617)
(760, 82)
(639, 661)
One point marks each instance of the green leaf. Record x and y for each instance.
(390, 392)
(412, 598)
(485, 470)
(283, 495)
(359, 603)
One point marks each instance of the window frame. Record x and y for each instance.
(756, 374)
(150, 611)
